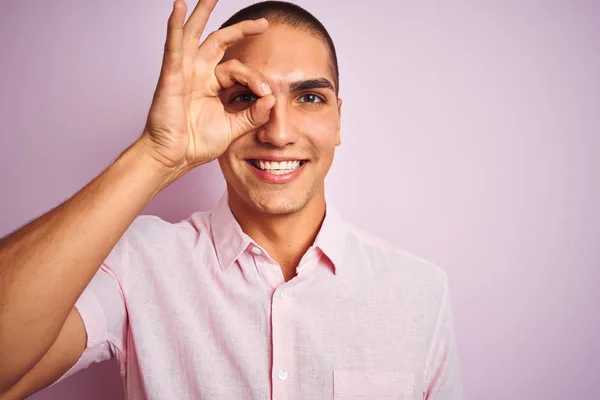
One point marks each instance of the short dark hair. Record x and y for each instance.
(285, 13)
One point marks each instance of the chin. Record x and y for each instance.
(278, 202)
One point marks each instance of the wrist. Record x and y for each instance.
(151, 166)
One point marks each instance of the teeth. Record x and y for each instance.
(278, 168)
(280, 171)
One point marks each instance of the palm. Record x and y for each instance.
(209, 132)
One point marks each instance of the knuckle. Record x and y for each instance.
(211, 38)
(234, 63)
(244, 24)
(214, 41)
(196, 30)
(218, 37)
(219, 46)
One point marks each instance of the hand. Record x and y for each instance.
(187, 124)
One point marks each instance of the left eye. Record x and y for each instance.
(311, 98)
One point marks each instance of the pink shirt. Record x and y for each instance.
(197, 310)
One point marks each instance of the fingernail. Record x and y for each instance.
(265, 88)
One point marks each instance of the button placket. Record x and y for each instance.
(281, 343)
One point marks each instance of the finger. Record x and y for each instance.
(251, 118)
(233, 71)
(213, 48)
(172, 59)
(197, 22)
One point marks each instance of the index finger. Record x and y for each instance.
(213, 48)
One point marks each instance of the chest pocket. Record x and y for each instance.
(362, 385)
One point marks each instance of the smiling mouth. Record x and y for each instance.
(277, 168)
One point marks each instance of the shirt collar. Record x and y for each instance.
(331, 238)
(230, 240)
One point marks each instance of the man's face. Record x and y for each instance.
(304, 125)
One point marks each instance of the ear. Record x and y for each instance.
(338, 140)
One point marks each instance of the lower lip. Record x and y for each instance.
(272, 178)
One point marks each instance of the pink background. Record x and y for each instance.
(471, 137)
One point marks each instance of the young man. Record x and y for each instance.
(272, 294)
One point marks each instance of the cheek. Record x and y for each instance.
(235, 149)
(227, 162)
(323, 134)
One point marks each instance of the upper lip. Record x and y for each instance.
(276, 158)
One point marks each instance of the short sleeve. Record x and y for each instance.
(103, 311)
(442, 371)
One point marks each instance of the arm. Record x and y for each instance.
(95, 330)
(46, 265)
(63, 353)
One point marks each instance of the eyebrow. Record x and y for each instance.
(319, 83)
(299, 86)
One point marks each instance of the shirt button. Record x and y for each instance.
(283, 375)
(256, 251)
(282, 294)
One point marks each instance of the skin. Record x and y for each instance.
(303, 124)
(46, 264)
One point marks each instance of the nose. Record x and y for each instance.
(280, 130)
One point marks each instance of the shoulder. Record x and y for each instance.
(152, 229)
(151, 242)
(393, 264)
(150, 236)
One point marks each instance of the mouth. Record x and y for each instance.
(277, 168)
(276, 171)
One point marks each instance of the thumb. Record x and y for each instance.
(253, 117)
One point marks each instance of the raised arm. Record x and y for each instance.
(46, 264)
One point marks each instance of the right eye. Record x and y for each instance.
(243, 98)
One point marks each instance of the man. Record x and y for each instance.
(272, 294)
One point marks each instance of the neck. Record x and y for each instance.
(286, 237)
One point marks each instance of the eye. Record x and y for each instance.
(311, 98)
(243, 98)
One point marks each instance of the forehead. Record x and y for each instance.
(284, 54)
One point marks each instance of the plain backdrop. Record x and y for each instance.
(471, 137)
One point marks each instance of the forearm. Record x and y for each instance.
(46, 264)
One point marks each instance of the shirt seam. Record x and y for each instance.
(436, 332)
